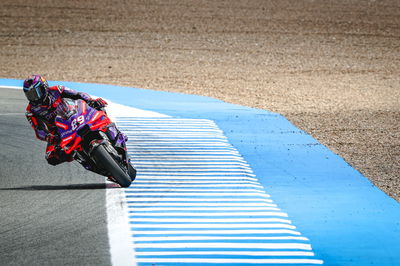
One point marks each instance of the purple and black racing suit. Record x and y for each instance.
(41, 117)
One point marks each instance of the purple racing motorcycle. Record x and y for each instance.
(90, 137)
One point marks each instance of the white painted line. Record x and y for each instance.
(226, 245)
(209, 226)
(198, 173)
(223, 252)
(11, 87)
(183, 149)
(194, 204)
(198, 169)
(170, 177)
(193, 176)
(181, 137)
(194, 157)
(205, 175)
(188, 160)
(140, 153)
(174, 130)
(121, 246)
(195, 183)
(137, 129)
(136, 232)
(175, 189)
(163, 163)
(196, 238)
(180, 121)
(137, 209)
(242, 261)
(162, 198)
(167, 123)
(190, 209)
(186, 143)
(5, 114)
(168, 140)
(161, 220)
(206, 214)
(169, 194)
(165, 147)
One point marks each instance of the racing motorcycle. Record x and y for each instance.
(94, 141)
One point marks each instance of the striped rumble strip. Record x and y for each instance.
(196, 200)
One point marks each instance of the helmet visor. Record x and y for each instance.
(33, 94)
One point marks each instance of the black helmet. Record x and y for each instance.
(35, 88)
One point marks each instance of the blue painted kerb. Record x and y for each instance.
(348, 220)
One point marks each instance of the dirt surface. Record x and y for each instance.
(331, 67)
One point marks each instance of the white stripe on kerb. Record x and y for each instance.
(211, 177)
(226, 245)
(211, 220)
(205, 173)
(205, 214)
(121, 247)
(158, 199)
(194, 183)
(194, 204)
(193, 238)
(209, 226)
(189, 163)
(135, 189)
(217, 232)
(194, 167)
(184, 194)
(210, 208)
(132, 148)
(245, 253)
(243, 261)
(140, 153)
(199, 169)
(167, 185)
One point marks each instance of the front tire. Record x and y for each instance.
(106, 161)
(131, 171)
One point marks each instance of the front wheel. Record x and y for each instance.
(103, 158)
(131, 171)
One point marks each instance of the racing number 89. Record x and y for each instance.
(77, 121)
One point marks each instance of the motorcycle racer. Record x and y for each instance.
(44, 104)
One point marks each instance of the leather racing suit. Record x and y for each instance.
(42, 118)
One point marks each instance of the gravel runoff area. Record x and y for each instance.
(330, 67)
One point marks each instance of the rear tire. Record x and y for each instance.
(103, 158)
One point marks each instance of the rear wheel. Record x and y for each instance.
(106, 161)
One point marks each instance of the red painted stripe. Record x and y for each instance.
(63, 126)
(34, 121)
(56, 103)
(66, 140)
(74, 146)
(83, 107)
(96, 116)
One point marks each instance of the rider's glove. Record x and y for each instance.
(97, 103)
(52, 139)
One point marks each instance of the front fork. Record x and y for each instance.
(118, 139)
(119, 142)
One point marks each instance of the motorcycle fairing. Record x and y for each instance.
(80, 115)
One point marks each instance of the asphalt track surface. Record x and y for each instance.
(48, 215)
